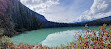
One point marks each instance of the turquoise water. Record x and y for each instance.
(50, 36)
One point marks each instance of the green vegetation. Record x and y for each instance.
(100, 39)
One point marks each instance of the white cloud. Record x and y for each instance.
(53, 11)
(99, 9)
(59, 14)
(39, 5)
(50, 9)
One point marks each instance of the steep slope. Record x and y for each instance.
(25, 19)
(6, 23)
(15, 17)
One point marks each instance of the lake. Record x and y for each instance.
(50, 36)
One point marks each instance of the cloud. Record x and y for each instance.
(67, 11)
(58, 10)
(59, 14)
(51, 9)
(99, 9)
(39, 5)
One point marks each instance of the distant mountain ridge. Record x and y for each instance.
(104, 19)
(101, 21)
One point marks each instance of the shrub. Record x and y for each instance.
(100, 39)
(4, 42)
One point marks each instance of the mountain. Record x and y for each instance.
(16, 18)
(105, 20)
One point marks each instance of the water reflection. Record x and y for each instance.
(58, 38)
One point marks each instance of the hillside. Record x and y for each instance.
(15, 17)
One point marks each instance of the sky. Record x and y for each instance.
(70, 11)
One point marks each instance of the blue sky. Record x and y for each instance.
(69, 11)
(76, 6)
